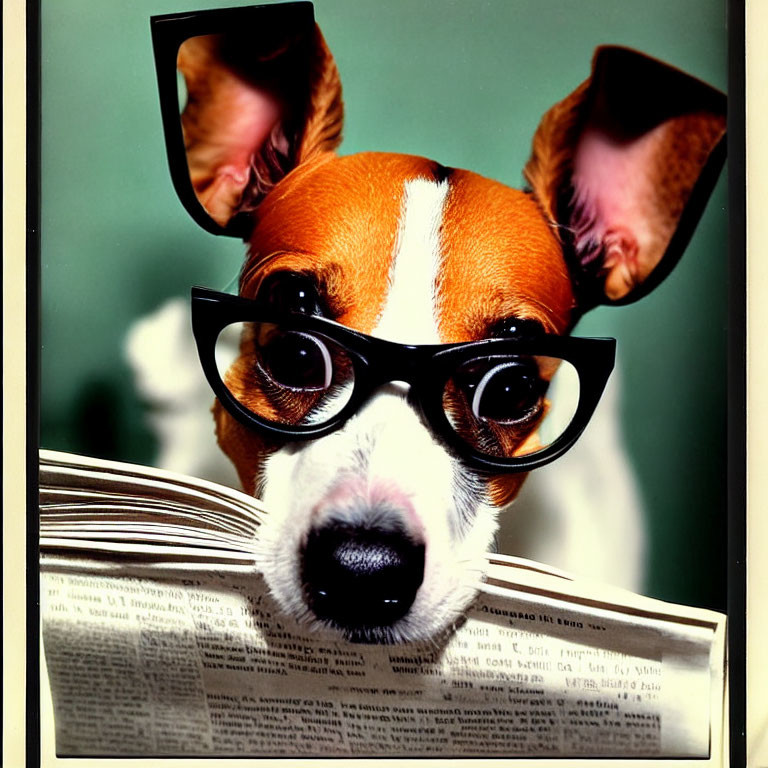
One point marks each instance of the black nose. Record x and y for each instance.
(360, 578)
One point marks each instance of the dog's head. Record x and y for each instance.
(383, 494)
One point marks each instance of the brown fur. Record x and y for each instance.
(501, 260)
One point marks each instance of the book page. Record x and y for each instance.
(205, 665)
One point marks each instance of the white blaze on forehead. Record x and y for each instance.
(409, 315)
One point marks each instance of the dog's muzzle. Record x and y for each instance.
(361, 579)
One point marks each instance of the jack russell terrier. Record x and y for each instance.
(402, 350)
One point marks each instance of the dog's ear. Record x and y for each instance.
(623, 167)
(255, 110)
(260, 100)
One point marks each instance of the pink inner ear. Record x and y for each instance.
(232, 120)
(615, 216)
(241, 120)
(226, 122)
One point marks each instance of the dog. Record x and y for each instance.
(389, 392)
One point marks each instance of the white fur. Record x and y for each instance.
(386, 445)
(407, 317)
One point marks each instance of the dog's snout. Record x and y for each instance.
(361, 578)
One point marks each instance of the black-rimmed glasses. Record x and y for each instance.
(501, 404)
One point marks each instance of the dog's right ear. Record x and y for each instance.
(262, 96)
(622, 169)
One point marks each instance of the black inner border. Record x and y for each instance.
(737, 399)
(33, 136)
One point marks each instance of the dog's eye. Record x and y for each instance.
(297, 360)
(291, 292)
(505, 393)
(512, 404)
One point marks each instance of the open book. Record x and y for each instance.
(160, 638)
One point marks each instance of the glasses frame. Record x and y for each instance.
(169, 31)
(426, 368)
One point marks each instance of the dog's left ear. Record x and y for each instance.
(623, 167)
(263, 95)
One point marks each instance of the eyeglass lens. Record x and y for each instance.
(501, 405)
(511, 405)
(285, 376)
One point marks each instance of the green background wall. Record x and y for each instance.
(462, 82)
